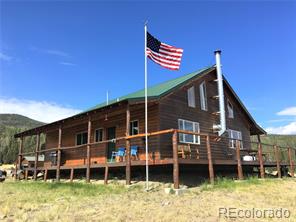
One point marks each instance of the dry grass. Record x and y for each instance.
(39, 201)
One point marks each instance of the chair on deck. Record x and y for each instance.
(134, 152)
(120, 153)
(185, 151)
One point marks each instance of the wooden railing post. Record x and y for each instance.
(260, 152)
(128, 148)
(36, 155)
(291, 161)
(20, 157)
(88, 154)
(277, 157)
(59, 154)
(239, 163)
(175, 159)
(210, 162)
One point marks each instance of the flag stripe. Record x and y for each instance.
(165, 61)
(169, 58)
(164, 65)
(171, 49)
(160, 62)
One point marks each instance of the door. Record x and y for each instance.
(111, 134)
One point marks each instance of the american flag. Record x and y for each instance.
(163, 54)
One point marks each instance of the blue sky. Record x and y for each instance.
(63, 56)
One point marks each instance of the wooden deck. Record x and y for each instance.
(168, 161)
(175, 161)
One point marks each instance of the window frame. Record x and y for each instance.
(230, 113)
(95, 134)
(131, 132)
(82, 132)
(182, 136)
(191, 102)
(232, 139)
(203, 96)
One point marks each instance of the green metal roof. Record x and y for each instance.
(154, 91)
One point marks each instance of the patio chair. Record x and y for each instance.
(119, 153)
(185, 151)
(134, 152)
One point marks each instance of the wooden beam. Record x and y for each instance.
(291, 161)
(128, 148)
(36, 155)
(106, 175)
(72, 175)
(59, 154)
(175, 160)
(260, 156)
(239, 163)
(210, 162)
(26, 174)
(88, 154)
(277, 157)
(45, 175)
(20, 157)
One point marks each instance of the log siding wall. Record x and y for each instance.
(175, 107)
(162, 115)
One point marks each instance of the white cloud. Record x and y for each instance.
(55, 52)
(287, 129)
(290, 111)
(5, 57)
(39, 110)
(67, 64)
(284, 130)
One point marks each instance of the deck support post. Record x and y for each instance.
(291, 162)
(59, 155)
(175, 160)
(278, 167)
(45, 175)
(239, 163)
(262, 170)
(26, 174)
(106, 175)
(36, 155)
(88, 155)
(71, 175)
(210, 162)
(128, 148)
(20, 157)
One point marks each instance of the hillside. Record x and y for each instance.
(281, 140)
(18, 121)
(10, 124)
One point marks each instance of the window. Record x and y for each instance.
(189, 126)
(134, 127)
(234, 135)
(81, 138)
(191, 97)
(203, 96)
(99, 135)
(230, 110)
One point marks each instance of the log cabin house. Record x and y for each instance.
(182, 114)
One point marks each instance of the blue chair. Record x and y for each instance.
(119, 153)
(134, 151)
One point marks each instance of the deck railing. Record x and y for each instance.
(265, 153)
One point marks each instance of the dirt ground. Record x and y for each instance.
(40, 201)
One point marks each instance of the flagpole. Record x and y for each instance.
(146, 112)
